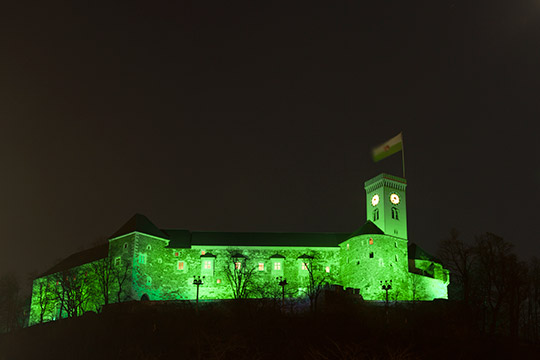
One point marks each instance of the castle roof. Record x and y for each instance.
(185, 239)
(139, 223)
(417, 253)
(80, 258)
(369, 228)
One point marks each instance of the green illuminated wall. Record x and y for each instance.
(377, 253)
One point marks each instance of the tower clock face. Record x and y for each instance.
(375, 200)
(394, 199)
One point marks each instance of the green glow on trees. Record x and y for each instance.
(141, 264)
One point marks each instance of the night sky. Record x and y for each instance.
(260, 116)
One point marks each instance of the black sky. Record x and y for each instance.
(259, 116)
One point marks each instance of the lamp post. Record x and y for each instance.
(198, 281)
(386, 286)
(282, 283)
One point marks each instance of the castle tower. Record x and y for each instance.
(386, 204)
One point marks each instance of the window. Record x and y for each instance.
(176, 254)
(148, 247)
(347, 246)
(148, 281)
(142, 258)
(208, 264)
(159, 261)
(396, 258)
(395, 244)
(304, 266)
(327, 269)
(181, 265)
(261, 266)
(370, 241)
(203, 252)
(375, 214)
(277, 265)
(371, 255)
(125, 245)
(218, 281)
(395, 213)
(117, 261)
(237, 265)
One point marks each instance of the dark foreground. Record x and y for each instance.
(253, 331)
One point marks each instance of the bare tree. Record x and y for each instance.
(72, 291)
(103, 271)
(120, 276)
(42, 293)
(240, 275)
(316, 280)
(459, 258)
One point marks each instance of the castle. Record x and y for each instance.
(142, 261)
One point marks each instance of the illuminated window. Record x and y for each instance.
(208, 264)
(277, 266)
(395, 213)
(261, 266)
(181, 265)
(375, 214)
(304, 266)
(371, 255)
(117, 261)
(176, 253)
(218, 281)
(327, 269)
(142, 258)
(370, 241)
(347, 246)
(237, 265)
(203, 252)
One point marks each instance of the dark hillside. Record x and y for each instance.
(251, 331)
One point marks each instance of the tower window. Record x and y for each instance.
(370, 241)
(395, 213)
(237, 265)
(371, 255)
(142, 258)
(375, 214)
(261, 266)
(117, 261)
(181, 265)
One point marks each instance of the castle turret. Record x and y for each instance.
(386, 204)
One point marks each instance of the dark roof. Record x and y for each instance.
(368, 228)
(140, 223)
(416, 252)
(80, 258)
(179, 238)
(267, 239)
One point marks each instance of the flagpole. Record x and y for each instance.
(403, 154)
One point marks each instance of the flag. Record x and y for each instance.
(388, 148)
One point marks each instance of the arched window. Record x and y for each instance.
(375, 214)
(395, 213)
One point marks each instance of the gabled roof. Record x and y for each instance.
(368, 228)
(416, 252)
(80, 258)
(139, 223)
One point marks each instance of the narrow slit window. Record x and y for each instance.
(371, 255)
(375, 214)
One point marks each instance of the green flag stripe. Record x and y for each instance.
(391, 151)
